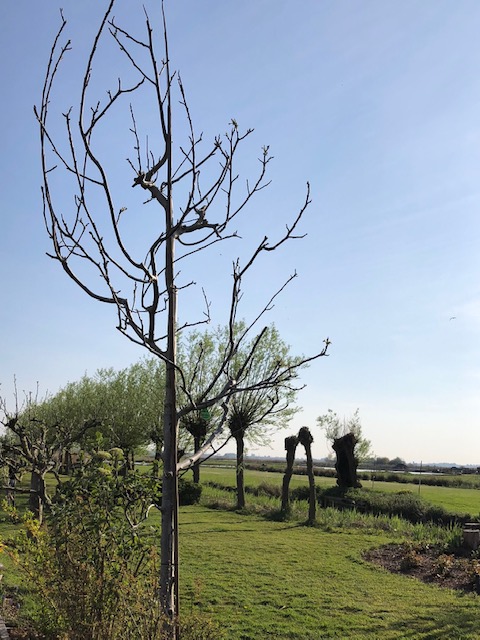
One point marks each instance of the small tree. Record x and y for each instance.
(142, 274)
(256, 410)
(349, 444)
(37, 443)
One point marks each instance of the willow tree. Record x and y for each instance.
(291, 443)
(305, 438)
(139, 262)
(126, 403)
(348, 442)
(258, 410)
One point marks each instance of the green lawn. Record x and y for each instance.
(264, 579)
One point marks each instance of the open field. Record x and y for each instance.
(455, 500)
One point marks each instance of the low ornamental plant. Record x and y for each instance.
(93, 566)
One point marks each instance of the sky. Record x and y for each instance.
(377, 105)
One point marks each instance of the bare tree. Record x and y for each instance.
(291, 443)
(92, 235)
(305, 438)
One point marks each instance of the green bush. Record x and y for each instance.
(403, 504)
(93, 568)
(303, 493)
(188, 492)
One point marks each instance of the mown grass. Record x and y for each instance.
(262, 578)
(266, 579)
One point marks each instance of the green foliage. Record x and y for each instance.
(128, 404)
(94, 567)
(404, 504)
(335, 428)
(188, 492)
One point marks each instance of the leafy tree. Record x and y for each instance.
(38, 443)
(349, 444)
(256, 411)
(142, 274)
(335, 428)
(127, 405)
(132, 405)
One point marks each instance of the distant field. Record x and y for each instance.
(452, 499)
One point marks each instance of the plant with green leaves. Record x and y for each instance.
(349, 444)
(336, 427)
(37, 442)
(126, 403)
(94, 565)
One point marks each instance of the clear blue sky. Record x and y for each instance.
(377, 104)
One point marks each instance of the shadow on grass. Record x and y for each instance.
(455, 623)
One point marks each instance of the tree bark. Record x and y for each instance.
(306, 438)
(240, 477)
(169, 580)
(346, 463)
(37, 495)
(291, 446)
(197, 443)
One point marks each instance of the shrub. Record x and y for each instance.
(303, 493)
(189, 492)
(403, 504)
(444, 565)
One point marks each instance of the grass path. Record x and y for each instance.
(265, 579)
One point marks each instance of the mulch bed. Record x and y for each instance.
(429, 564)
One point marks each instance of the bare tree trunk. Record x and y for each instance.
(291, 446)
(169, 536)
(240, 462)
(346, 463)
(169, 507)
(37, 495)
(197, 443)
(306, 438)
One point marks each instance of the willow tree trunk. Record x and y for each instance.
(306, 439)
(346, 464)
(240, 466)
(291, 446)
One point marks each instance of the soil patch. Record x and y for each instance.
(430, 564)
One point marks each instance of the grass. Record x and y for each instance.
(454, 500)
(265, 579)
(260, 578)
